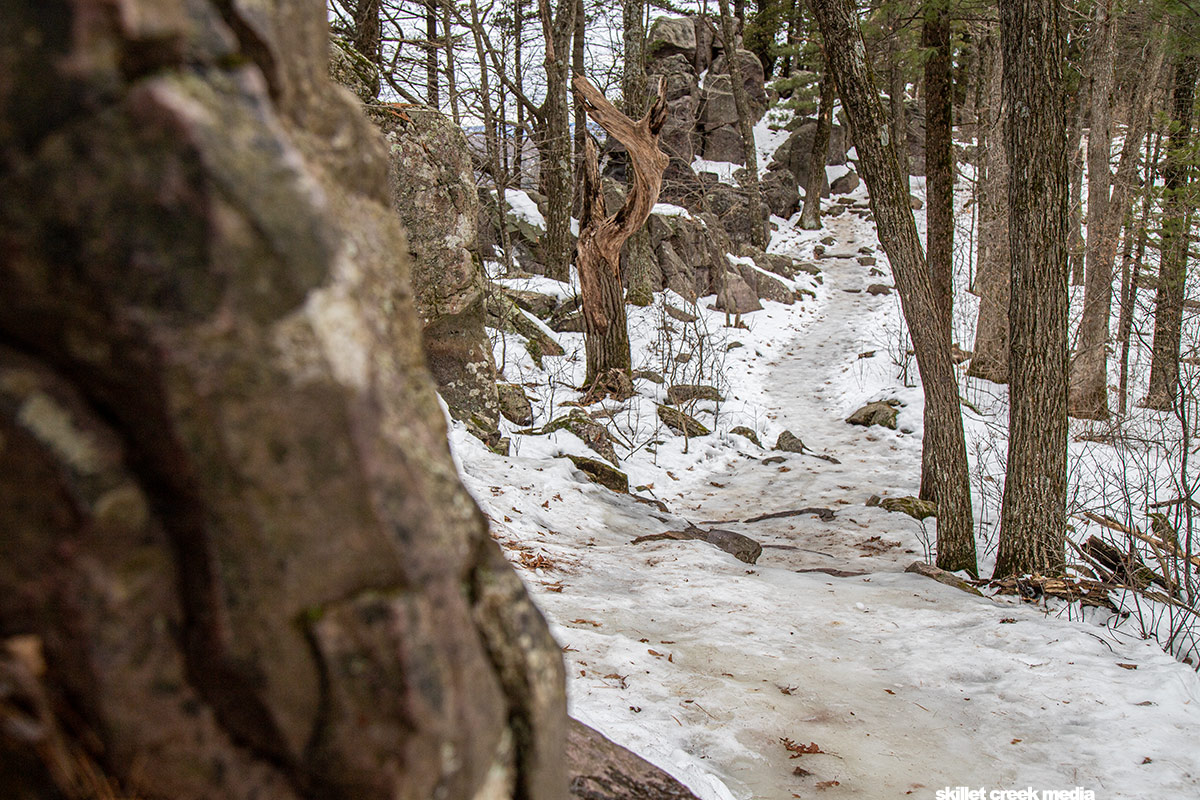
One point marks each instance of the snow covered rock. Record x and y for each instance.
(598, 472)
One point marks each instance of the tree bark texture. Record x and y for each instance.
(990, 358)
(1172, 271)
(939, 172)
(554, 142)
(939, 158)
(231, 519)
(1088, 392)
(1129, 291)
(638, 252)
(758, 233)
(896, 83)
(888, 187)
(810, 216)
(1033, 516)
(601, 235)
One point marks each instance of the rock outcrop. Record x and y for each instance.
(231, 519)
(433, 191)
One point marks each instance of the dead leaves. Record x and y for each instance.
(535, 560)
(797, 750)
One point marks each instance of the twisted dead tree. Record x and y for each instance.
(601, 235)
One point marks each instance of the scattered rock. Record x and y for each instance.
(536, 303)
(942, 576)
(788, 442)
(845, 184)
(600, 769)
(680, 422)
(915, 507)
(514, 405)
(879, 289)
(593, 434)
(598, 472)
(679, 314)
(741, 547)
(649, 375)
(866, 261)
(748, 433)
(736, 296)
(877, 413)
(568, 323)
(681, 393)
(773, 460)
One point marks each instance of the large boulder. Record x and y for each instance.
(781, 192)
(725, 144)
(753, 79)
(353, 70)
(738, 211)
(682, 92)
(433, 190)
(231, 517)
(670, 36)
(736, 296)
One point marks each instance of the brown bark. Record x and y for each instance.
(554, 141)
(602, 235)
(1130, 287)
(896, 84)
(1172, 271)
(758, 233)
(1033, 516)
(638, 252)
(810, 216)
(432, 93)
(230, 518)
(939, 159)
(888, 187)
(492, 141)
(990, 358)
(1088, 396)
(939, 171)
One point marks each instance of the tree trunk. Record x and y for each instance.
(602, 235)
(990, 358)
(1088, 394)
(1129, 292)
(242, 549)
(888, 188)
(492, 141)
(1033, 517)
(578, 48)
(638, 252)
(758, 233)
(451, 79)
(810, 216)
(554, 144)
(939, 172)
(939, 158)
(432, 94)
(896, 84)
(1172, 271)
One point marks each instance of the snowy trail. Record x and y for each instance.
(705, 665)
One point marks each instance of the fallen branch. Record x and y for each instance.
(826, 514)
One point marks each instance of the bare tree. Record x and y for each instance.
(888, 187)
(638, 251)
(554, 142)
(1033, 516)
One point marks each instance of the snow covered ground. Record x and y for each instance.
(721, 672)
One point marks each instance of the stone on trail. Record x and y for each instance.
(748, 433)
(601, 473)
(789, 443)
(915, 507)
(681, 393)
(942, 576)
(877, 413)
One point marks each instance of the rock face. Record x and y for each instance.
(230, 514)
(433, 190)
